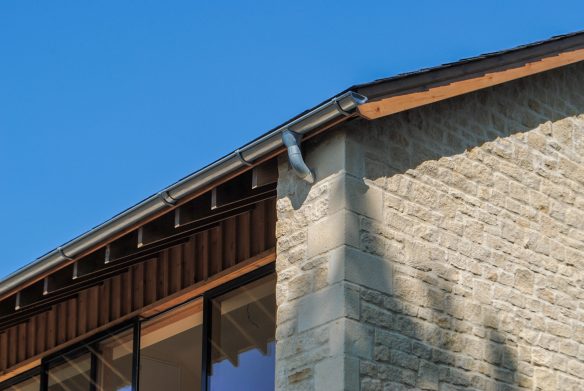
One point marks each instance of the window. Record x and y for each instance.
(224, 340)
(104, 365)
(32, 384)
(71, 374)
(170, 350)
(114, 361)
(242, 338)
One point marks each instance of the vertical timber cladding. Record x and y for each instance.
(203, 255)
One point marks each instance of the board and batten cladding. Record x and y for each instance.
(165, 275)
(441, 248)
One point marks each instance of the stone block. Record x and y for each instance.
(328, 156)
(351, 193)
(342, 228)
(352, 265)
(326, 305)
(337, 373)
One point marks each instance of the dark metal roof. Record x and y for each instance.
(488, 62)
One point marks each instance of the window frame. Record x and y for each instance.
(208, 324)
(82, 347)
(207, 312)
(21, 377)
(135, 324)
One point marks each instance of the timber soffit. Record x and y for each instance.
(405, 91)
(383, 97)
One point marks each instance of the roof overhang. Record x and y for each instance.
(371, 101)
(327, 114)
(411, 90)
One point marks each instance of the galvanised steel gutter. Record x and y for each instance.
(341, 106)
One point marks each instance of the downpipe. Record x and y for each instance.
(292, 140)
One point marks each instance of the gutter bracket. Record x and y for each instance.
(292, 142)
(62, 253)
(340, 109)
(166, 198)
(242, 159)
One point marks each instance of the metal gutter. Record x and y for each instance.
(340, 106)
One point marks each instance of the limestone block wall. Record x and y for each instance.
(320, 338)
(441, 248)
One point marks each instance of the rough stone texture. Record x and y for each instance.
(441, 248)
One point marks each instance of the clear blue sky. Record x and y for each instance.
(103, 103)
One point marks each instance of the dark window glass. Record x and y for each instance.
(170, 350)
(240, 346)
(74, 374)
(114, 362)
(243, 337)
(32, 384)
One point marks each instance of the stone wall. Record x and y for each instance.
(441, 248)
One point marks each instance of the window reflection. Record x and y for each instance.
(72, 375)
(27, 385)
(170, 350)
(103, 366)
(114, 362)
(242, 338)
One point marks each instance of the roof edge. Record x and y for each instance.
(386, 96)
(436, 91)
(168, 198)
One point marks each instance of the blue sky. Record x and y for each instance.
(103, 103)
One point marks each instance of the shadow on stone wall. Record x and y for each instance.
(431, 133)
(418, 347)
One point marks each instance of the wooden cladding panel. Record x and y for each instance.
(127, 294)
(150, 281)
(41, 333)
(116, 291)
(162, 276)
(189, 263)
(259, 236)
(202, 251)
(105, 295)
(175, 268)
(51, 327)
(12, 342)
(61, 322)
(71, 319)
(203, 255)
(4, 350)
(31, 337)
(92, 307)
(82, 306)
(137, 272)
(21, 344)
(243, 236)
